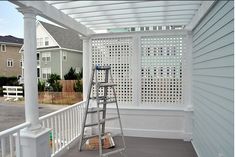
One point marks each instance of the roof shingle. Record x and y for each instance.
(11, 39)
(64, 37)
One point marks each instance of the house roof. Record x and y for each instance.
(11, 39)
(64, 37)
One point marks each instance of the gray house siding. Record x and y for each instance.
(213, 82)
(54, 64)
(74, 59)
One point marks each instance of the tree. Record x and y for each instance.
(71, 75)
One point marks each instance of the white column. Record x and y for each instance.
(86, 66)
(34, 141)
(30, 68)
(188, 90)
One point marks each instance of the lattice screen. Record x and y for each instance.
(116, 52)
(162, 69)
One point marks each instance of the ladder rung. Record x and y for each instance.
(107, 84)
(93, 124)
(107, 119)
(101, 121)
(88, 137)
(103, 67)
(95, 110)
(113, 152)
(107, 102)
(92, 136)
(99, 98)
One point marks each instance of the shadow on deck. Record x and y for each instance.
(145, 147)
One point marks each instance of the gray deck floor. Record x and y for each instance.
(145, 147)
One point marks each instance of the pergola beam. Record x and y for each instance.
(125, 21)
(165, 12)
(128, 9)
(137, 24)
(126, 6)
(49, 12)
(131, 16)
(204, 8)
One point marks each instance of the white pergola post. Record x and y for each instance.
(86, 66)
(35, 139)
(30, 68)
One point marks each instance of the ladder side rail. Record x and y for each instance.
(105, 105)
(98, 115)
(86, 110)
(118, 113)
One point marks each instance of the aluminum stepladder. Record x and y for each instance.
(102, 101)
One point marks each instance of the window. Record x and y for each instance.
(10, 62)
(147, 28)
(64, 56)
(3, 48)
(141, 28)
(77, 70)
(46, 41)
(46, 72)
(132, 29)
(38, 72)
(154, 28)
(39, 42)
(46, 56)
(21, 63)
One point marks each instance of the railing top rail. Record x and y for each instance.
(20, 87)
(61, 110)
(14, 129)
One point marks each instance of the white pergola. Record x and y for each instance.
(87, 18)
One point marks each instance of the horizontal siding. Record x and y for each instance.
(213, 82)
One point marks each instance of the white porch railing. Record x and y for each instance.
(65, 125)
(10, 141)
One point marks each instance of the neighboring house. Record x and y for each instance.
(10, 58)
(58, 49)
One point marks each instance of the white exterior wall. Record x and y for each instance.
(154, 119)
(41, 32)
(213, 82)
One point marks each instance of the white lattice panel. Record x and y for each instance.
(116, 52)
(162, 69)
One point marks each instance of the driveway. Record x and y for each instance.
(13, 113)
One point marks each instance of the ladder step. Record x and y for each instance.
(108, 119)
(99, 98)
(103, 67)
(107, 102)
(95, 110)
(107, 84)
(91, 124)
(101, 121)
(113, 152)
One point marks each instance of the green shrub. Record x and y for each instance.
(7, 81)
(53, 81)
(41, 86)
(78, 86)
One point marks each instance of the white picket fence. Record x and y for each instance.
(13, 92)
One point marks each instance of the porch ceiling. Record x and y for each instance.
(89, 17)
(101, 15)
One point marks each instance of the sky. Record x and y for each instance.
(11, 21)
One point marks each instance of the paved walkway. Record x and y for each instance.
(13, 113)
